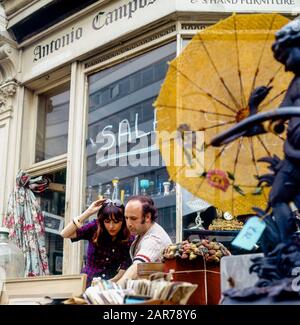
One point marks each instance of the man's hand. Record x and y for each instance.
(131, 273)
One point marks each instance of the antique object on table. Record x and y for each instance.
(227, 216)
(12, 261)
(198, 222)
(222, 224)
(225, 221)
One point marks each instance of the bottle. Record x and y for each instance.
(144, 184)
(166, 186)
(116, 192)
(89, 198)
(159, 189)
(136, 189)
(12, 261)
(107, 193)
(122, 196)
(100, 195)
(126, 195)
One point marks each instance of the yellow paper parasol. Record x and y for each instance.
(207, 89)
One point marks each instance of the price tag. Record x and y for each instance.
(250, 233)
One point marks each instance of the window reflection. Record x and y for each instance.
(52, 203)
(121, 137)
(52, 123)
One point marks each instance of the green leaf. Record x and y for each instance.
(230, 176)
(238, 189)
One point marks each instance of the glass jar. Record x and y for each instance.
(12, 261)
(116, 191)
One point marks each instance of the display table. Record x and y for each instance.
(222, 236)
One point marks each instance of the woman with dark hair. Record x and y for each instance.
(109, 239)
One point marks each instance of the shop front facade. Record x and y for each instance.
(76, 105)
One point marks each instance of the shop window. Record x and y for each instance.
(185, 42)
(148, 76)
(136, 81)
(134, 85)
(52, 203)
(52, 123)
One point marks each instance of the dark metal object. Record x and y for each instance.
(281, 241)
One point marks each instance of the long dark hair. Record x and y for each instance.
(116, 213)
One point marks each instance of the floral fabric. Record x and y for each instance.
(25, 221)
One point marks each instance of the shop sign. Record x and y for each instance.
(92, 31)
(120, 18)
(124, 11)
(290, 6)
(44, 50)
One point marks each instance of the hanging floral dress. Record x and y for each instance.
(25, 221)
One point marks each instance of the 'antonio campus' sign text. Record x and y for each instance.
(101, 20)
(124, 16)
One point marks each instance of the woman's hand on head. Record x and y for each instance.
(95, 206)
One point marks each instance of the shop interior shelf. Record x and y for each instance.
(164, 201)
(205, 232)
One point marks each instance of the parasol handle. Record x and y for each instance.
(282, 113)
